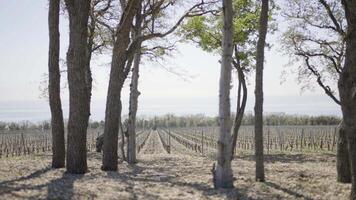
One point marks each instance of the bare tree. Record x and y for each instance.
(54, 78)
(260, 172)
(149, 28)
(347, 88)
(79, 93)
(222, 176)
(319, 56)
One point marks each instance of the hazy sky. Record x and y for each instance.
(23, 61)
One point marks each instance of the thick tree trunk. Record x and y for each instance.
(117, 78)
(260, 174)
(342, 157)
(223, 177)
(134, 94)
(78, 89)
(347, 88)
(54, 85)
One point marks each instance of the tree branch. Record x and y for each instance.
(338, 28)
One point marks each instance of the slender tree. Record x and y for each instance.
(54, 79)
(79, 93)
(223, 177)
(347, 88)
(206, 32)
(134, 93)
(260, 172)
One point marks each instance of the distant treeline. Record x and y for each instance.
(198, 120)
(278, 119)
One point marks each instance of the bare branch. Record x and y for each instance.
(338, 28)
(326, 88)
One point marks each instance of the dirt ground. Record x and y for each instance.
(179, 175)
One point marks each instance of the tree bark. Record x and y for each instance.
(223, 177)
(241, 105)
(54, 85)
(134, 94)
(342, 157)
(260, 174)
(347, 88)
(79, 94)
(116, 82)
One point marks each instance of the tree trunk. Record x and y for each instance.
(223, 177)
(54, 86)
(117, 78)
(347, 88)
(79, 108)
(134, 94)
(260, 174)
(342, 157)
(241, 105)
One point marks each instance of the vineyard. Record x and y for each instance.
(200, 140)
(175, 163)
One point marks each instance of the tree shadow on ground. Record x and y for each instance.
(138, 179)
(288, 191)
(292, 158)
(12, 186)
(150, 174)
(61, 188)
(31, 176)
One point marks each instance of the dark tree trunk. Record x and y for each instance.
(260, 172)
(222, 176)
(241, 104)
(79, 94)
(117, 79)
(342, 157)
(347, 88)
(54, 85)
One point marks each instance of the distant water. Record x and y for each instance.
(305, 105)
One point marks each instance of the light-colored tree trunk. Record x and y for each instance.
(79, 106)
(134, 94)
(260, 172)
(347, 88)
(223, 177)
(116, 82)
(54, 85)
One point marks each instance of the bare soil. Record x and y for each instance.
(179, 175)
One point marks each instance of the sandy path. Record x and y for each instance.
(153, 145)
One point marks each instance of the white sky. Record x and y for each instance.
(23, 61)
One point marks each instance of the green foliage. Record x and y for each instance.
(206, 31)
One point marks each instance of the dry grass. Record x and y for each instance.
(159, 175)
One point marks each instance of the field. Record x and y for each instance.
(175, 164)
